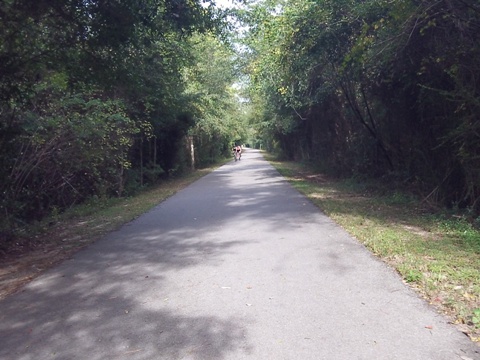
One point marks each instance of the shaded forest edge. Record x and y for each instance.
(99, 100)
(435, 251)
(373, 89)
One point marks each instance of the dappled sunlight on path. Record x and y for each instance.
(238, 265)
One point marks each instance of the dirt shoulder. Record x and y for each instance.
(25, 261)
(57, 239)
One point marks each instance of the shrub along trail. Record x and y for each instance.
(238, 265)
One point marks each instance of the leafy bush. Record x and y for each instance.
(76, 146)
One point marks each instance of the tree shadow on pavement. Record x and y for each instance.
(110, 300)
(109, 305)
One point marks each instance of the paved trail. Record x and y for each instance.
(236, 266)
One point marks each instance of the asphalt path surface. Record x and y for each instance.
(239, 265)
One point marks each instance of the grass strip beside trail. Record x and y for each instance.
(438, 254)
(60, 236)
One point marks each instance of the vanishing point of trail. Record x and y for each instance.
(238, 265)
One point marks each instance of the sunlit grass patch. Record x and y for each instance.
(435, 253)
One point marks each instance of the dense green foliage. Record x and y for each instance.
(97, 98)
(376, 88)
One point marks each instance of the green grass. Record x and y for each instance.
(436, 253)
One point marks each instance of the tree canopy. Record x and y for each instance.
(99, 98)
(372, 88)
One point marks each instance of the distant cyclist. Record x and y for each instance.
(237, 152)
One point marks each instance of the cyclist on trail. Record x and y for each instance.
(237, 151)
